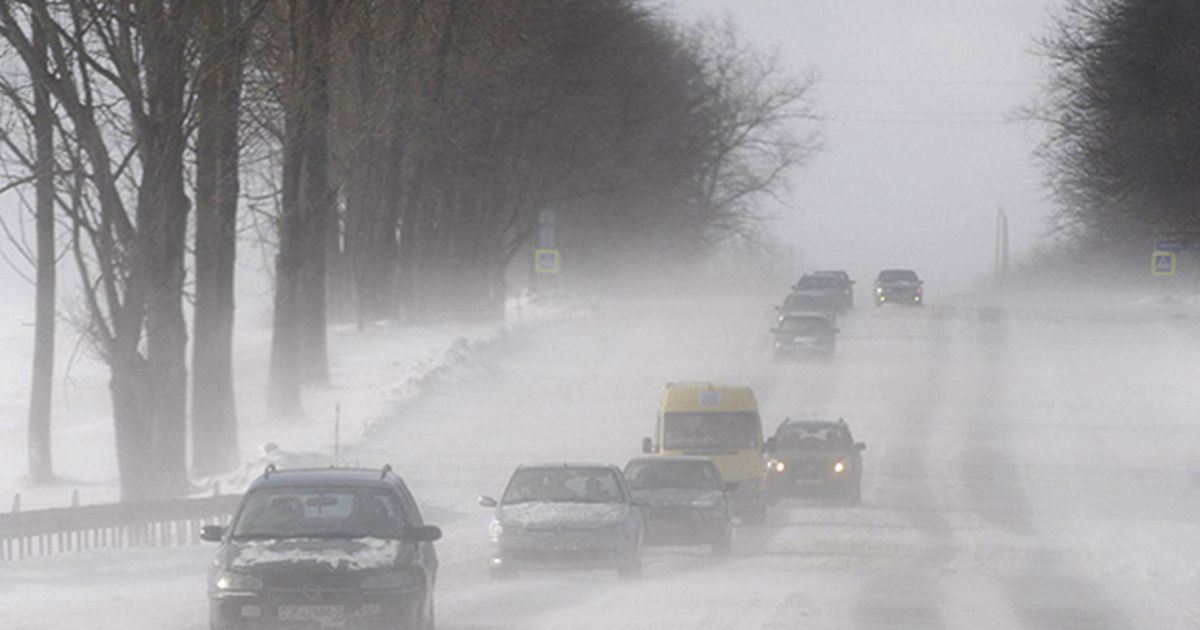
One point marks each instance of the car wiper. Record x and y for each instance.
(376, 535)
(277, 536)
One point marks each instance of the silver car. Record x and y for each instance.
(566, 516)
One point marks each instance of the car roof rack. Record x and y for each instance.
(387, 469)
(268, 470)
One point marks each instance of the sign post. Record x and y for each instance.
(547, 260)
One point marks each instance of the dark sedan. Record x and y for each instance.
(804, 333)
(840, 280)
(566, 516)
(322, 549)
(682, 500)
(814, 457)
(899, 286)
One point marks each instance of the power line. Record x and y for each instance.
(946, 82)
(930, 121)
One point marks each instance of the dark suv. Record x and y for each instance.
(844, 283)
(829, 289)
(899, 286)
(807, 457)
(324, 548)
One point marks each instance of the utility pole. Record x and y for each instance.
(1001, 261)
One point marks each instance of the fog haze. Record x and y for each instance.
(918, 99)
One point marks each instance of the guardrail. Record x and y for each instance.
(166, 523)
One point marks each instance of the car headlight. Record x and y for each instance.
(777, 466)
(231, 581)
(392, 581)
(879, 289)
(839, 467)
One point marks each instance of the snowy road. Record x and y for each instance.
(1025, 469)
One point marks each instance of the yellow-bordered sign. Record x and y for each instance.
(547, 261)
(1162, 263)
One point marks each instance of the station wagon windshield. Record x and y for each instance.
(319, 513)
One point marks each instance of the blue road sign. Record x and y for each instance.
(1162, 263)
(1177, 246)
(547, 261)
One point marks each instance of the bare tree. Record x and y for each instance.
(218, 114)
(41, 461)
(1121, 150)
(298, 347)
(138, 287)
(35, 120)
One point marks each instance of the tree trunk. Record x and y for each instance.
(41, 462)
(132, 423)
(162, 211)
(318, 199)
(298, 347)
(214, 416)
(284, 377)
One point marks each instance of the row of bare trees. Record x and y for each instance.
(406, 147)
(1123, 147)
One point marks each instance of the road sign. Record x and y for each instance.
(1177, 246)
(547, 261)
(1162, 263)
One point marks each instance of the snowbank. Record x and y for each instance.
(371, 372)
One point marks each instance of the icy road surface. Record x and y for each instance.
(1026, 468)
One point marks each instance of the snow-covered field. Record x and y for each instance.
(1029, 467)
(371, 371)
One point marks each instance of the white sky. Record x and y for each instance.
(919, 156)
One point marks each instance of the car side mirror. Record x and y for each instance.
(647, 445)
(424, 533)
(488, 502)
(860, 446)
(731, 486)
(212, 533)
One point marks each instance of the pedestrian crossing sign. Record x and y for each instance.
(1162, 263)
(546, 261)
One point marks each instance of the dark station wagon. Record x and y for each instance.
(324, 548)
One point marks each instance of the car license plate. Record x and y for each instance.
(328, 616)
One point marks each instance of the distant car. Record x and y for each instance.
(682, 500)
(566, 516)
(844, 282)
(814, 457)
(804, 333)
(822, 302)
(830, 288)
(899, 286)
(324, 548)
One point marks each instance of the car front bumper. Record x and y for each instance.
(287, 610)
(566, 549)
